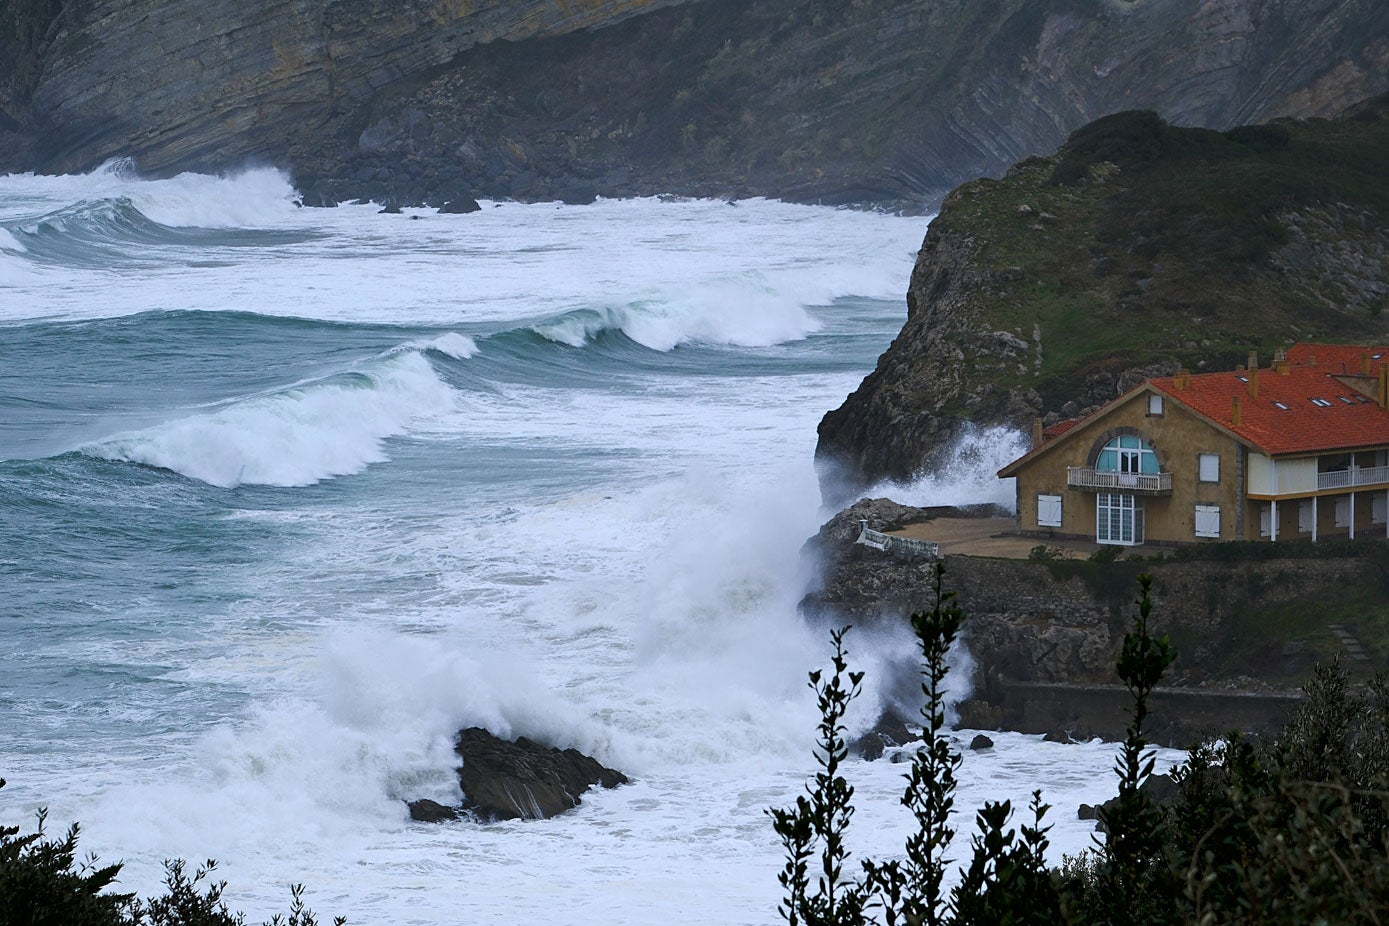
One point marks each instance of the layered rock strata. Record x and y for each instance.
(888, 101)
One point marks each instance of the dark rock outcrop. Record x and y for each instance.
(505, 780)
(520, 779)
(1161, 789)
(893, 101)
(426, 811)
(888, 733)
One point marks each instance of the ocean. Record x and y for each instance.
(288, 496)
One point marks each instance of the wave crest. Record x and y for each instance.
(741, 313)
(296, 437)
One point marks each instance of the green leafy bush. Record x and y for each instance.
(43, 884)
(1288, 830)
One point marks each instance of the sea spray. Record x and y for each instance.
(598, 546)
(969, 473)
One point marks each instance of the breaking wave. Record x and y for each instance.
(295, 437)
(731, 314)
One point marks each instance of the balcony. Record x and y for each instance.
(1353, 478)
(1083, 477)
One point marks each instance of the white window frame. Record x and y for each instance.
(1205, 513)
(1208, 467)
(1118, 519)
(1154, 405)
(1048, 501)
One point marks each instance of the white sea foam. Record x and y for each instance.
(253, 198)
(969, 475)
(8, 242)
(293, 438)
(613, 567)
(455, 345)
(720, 314)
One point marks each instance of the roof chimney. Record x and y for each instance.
(1253, 360)
(1253, 382)
(1365, 364)
(1236, 418)
(1281, 366)
(1036, 432)
(1383, 385)
(1182, 380)
(1311, 360)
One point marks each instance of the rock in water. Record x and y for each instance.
(427, 811)
(460, 206)
(504, 780)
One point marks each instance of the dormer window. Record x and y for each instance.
(1154, 405)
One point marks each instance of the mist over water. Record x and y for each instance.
(292, 495)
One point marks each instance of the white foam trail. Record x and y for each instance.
(969, 475)
(293, 438)
(455, 345)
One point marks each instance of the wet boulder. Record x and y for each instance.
(506, 780)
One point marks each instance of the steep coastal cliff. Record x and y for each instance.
(1138, 248)
(886, 101)
(1043, 633)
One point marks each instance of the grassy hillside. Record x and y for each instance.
(1140, 241)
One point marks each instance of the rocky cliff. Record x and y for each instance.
(1237, 615)
(887, 101)
(1138, 248)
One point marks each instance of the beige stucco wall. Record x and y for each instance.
(1177, 436)
(1280, 477)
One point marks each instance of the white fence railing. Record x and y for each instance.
(927, 549)
(1086, 478)
(1349, 478)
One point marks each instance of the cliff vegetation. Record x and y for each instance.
(1139, 247)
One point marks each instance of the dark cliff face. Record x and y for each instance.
(887, 101)
(1139, 248)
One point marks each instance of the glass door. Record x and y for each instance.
(1118, 519)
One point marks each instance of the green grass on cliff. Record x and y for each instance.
(1141, 241)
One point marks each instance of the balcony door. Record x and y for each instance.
(1130, 457)
(1118, 518)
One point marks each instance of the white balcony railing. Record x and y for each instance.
(1083, 477)
(1350, 478)
(926, 549)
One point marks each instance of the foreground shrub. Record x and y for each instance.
(43, 884)
(1288, 830)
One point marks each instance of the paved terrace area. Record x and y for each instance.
(991, 537)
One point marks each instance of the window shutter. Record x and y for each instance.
(1048, 511)
(1207, 520)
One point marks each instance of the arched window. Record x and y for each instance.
(1128, 454)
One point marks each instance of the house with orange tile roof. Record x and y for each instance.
(1296, 450)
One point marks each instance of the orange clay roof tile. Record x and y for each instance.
(1306, 410)
(1061, 427)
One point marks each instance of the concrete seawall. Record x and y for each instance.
(1179, 716)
